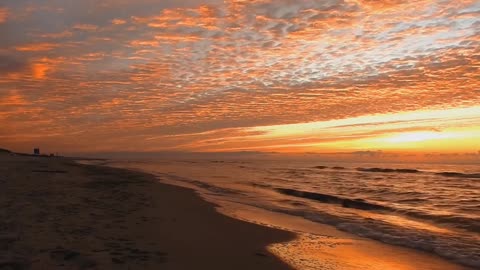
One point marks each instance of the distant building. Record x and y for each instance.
(36, 151)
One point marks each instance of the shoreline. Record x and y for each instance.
(58, 214)
(61, 214)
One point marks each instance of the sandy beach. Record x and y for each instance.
(57, 214)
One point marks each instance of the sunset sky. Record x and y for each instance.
(240, 75)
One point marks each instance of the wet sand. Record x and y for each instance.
(57, 214)
(320, 246)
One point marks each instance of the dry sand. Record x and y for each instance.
(57, 214)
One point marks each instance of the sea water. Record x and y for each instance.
(429, 207)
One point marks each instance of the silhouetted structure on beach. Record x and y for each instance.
(4, 151)
(36, 151)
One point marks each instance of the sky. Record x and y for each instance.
(290, 76)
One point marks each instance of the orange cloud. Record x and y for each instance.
(384, 3)
(118, 21)
(64, 34)
(3, 15)
(151, 43)
(35, 47)
(39, 70)
(42, 67)
(85, 27)
(13, 99)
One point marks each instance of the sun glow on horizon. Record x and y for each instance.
(445, 130)
(419, 137)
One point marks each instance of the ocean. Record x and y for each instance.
(429, 207)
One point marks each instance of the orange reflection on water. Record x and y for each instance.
(310, 252)
(405, 222)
